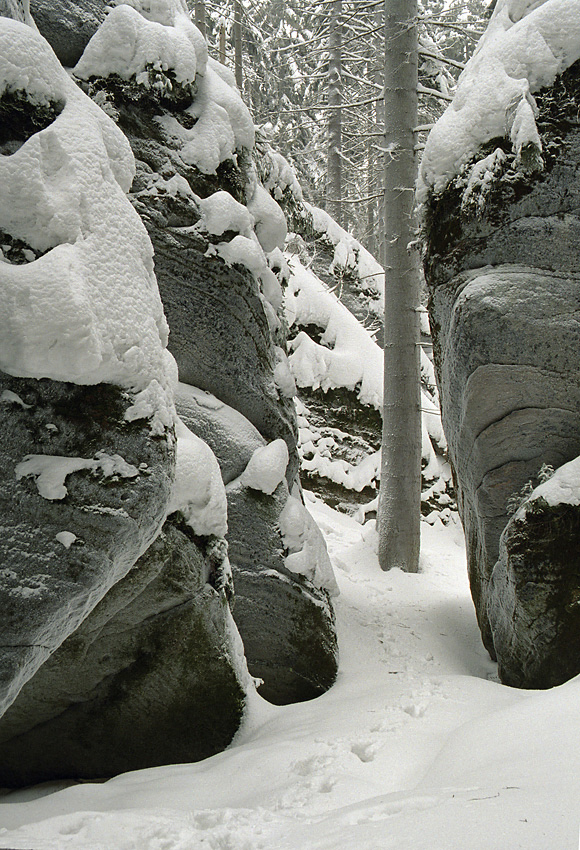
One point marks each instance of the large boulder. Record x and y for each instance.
(232, 438)
(534, 592)
(220, 335)
(117, 648)
(502, 264)
(84, 493)
(154, 675)
(285, 618)
(223, 329)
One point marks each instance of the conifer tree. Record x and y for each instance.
(399, 513)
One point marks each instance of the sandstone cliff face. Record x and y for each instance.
(222, 336)
(286, 621)
(150, 677)
(117, 647)
(69, 534)
(534, 596)
(68, 26)
(334, 302)
(502, 260)
(149, 669)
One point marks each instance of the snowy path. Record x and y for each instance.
(415, 747)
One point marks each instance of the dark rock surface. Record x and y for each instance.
(220, 334)
(152, 676)
(68, 26)
(47, 588)
(502, 270)
(224, 336)
(287, 624)
(534, 597)
(219, 329)
(232, 438)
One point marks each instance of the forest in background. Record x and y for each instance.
(312, 76)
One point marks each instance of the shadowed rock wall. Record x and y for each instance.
(226, 339)
(150, 677)
(120, 652)
(502, 265)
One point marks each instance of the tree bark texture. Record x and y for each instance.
(222, 44)
(334, 168)
(399, 514)
(200, 16)
(238, 44)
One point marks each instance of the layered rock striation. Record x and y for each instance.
(501, 264)
(117, 647)
(130, 657)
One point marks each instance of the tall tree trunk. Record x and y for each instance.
(400, 494)
(238, 43)
(371, 242)
(19, 10)
(222, 44)
(200, 16)
(334, 167)
(376, 216)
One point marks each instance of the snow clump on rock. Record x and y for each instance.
(526, 45)
(86, 309)
(267, 467)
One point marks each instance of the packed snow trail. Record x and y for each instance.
(416, 746)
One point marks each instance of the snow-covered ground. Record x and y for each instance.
(416, 747)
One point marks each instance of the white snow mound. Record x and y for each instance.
(198, 492)
(88, 310)
(221, 212)
(350, 254)
(50, 471)
(223, 124)
(267, 467)
(127, 44)
(524, 48)
(270, 221)
(563, 488)
(157, 35)
(307, 552)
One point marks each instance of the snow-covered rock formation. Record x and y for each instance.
(333, 300)
(118, 648)
(534, 591)
(282, 608)
(502, 268)
(212, 225)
